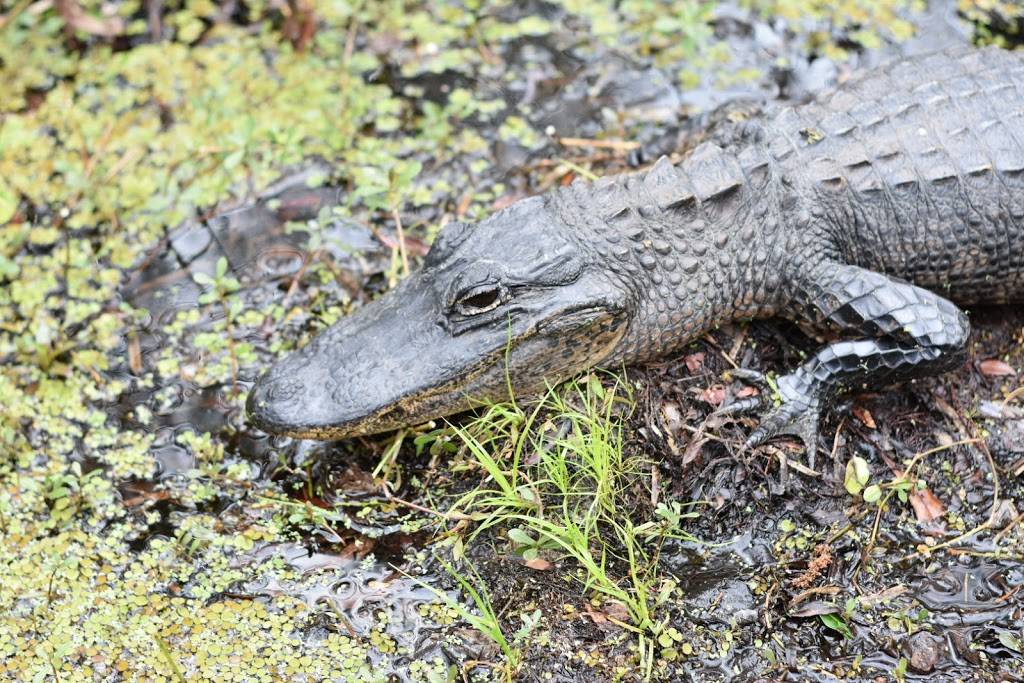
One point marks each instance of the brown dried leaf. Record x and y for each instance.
(993, 367)
(926, 506)
(610, 616)
(713, 395)
(864, 416)
(538, 563)
(816, 608)
(670, 415)
(134, 354)
(507, 200)
(693, 449)
(145, 496)
(616, 610)
(413, 246)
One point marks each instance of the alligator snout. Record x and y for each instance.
(288, 400)
(374, 370)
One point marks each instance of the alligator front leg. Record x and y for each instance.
(896, 332)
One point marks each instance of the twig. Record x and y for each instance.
(835, 444)
(293, 286)
(129, 158)
(624, 145)
(401, 241)
(713, 343)
(457, 516)
(350, 42)
(577, 169)
(1015, 394)
(154, 10)
(968, 429)
(737, 344)
(165, 650)
(811, 592)
(799, 467)
(990, 554)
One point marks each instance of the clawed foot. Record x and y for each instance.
(795, 409)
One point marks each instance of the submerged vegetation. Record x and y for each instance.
(146, 533)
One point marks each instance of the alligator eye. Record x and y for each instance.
(479, 300)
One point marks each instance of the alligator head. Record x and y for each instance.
(503, 306)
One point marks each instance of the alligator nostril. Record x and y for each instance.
(283, 389)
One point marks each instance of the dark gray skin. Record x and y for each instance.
(866, 213)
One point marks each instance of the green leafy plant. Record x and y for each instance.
(858, 477)
(68, 493)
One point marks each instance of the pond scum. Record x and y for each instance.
(108, 142)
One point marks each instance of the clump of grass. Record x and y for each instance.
(562, 481)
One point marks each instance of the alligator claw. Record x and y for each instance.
(740, 406)
(797, 418)
(748, 404)
(748, 375)
(796, 413)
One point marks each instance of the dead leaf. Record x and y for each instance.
(747, 392)
(616, 610)
(926, 506)
(816, 608)
(993, 367)
(413, 246)
(670, 415)
(864, 416)
(610, 616)
(875, 599)
(145, 496)
(713, 395)
(693, 449)
(538, 563)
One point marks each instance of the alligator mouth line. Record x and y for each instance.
(371, 423)
(447, 396)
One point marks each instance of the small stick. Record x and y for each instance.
(401, 241)
(443, 515)
(623, 145)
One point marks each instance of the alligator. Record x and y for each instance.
(864, 214)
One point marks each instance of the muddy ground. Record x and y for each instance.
(151, 534)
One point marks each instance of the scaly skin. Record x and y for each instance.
(868, 212)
